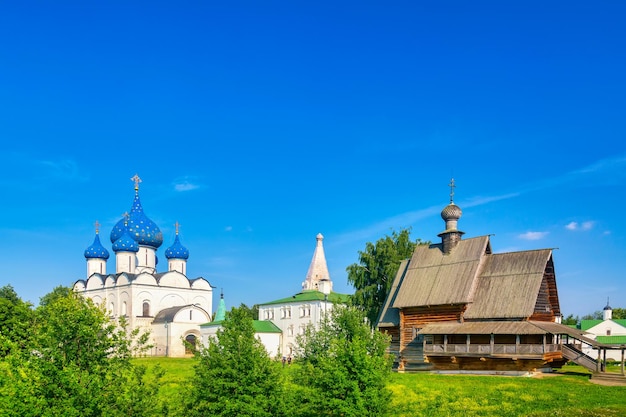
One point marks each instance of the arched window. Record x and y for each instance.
(146, 309)
(124, 309)
(190, 344)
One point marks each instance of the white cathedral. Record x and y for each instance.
(168, 304)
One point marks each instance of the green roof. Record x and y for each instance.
(260, 326)
(311, 295)
(265, 326)
(588, 324)
(612, 340)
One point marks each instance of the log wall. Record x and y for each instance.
(416, 317)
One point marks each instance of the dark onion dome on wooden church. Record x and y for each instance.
(177, 250)
(451, 212)
(96, 250)
(141, 228)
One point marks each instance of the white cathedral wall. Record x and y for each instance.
(94, 282)
(168, 337)
(201, 284)
(174, 279)
(146, 259)
(96, 266)
(159, 298)
(145, 279)
(179, 265)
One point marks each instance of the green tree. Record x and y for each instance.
(345, 368)
(596, 315)
(571, 320)
(16, 319)
(253, 311)
(234, 375)
(57, 292)
(619, 313)
(378, 264)
(77, 364)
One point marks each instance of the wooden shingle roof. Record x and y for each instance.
(433, 278)
(508, 285)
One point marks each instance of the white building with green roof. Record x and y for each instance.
(293, 314)
(608, 331)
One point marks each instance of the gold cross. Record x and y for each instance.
(137, 180)
(452, 190)
(126, 216)
(177, 225)
(97, 226)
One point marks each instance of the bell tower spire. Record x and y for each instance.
(318, 275)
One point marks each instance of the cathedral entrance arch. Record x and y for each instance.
(190, 344)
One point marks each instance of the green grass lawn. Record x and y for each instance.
(568, 393)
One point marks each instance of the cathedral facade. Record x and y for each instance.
(168, 304)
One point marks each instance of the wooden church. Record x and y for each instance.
(457, 306)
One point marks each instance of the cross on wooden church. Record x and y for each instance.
(452, 186)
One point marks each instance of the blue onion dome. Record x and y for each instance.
(141, 228)
(125, 243)
(96, 250)
(177, 250)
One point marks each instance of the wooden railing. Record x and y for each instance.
(573, 354)
(493, 349)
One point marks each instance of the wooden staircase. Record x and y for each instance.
(575, 355)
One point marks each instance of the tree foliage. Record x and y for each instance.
(76, 363)
(234, 375)
(345, 367)
(253, 311)
(57, 292)
(378, 264)
(570, 320)
(16, 319)
(619, 313)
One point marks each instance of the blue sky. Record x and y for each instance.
(257, 125)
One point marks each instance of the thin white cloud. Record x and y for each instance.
(533, 235)
(185, 184)
(228, 229)
(588, 225)
(65, 169)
